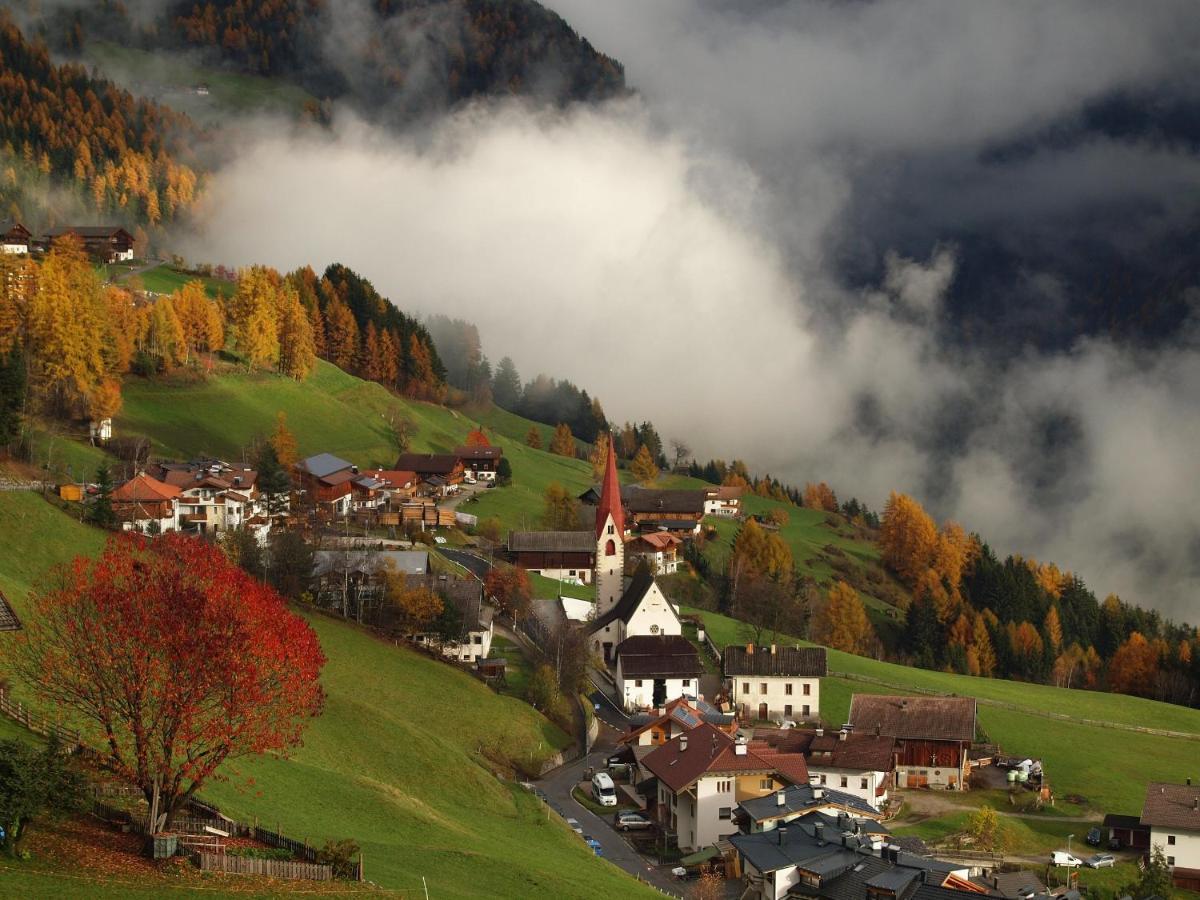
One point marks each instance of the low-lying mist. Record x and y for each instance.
(598, 246)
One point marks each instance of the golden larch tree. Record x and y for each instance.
(643, 468)
(563, 442)
(842, 622)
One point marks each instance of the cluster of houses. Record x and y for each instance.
(208, 496)
(104, 243)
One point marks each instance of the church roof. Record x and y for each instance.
(630, 600)
(610, 496)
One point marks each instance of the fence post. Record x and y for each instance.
(361, 877)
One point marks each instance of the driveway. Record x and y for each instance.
(558, 785)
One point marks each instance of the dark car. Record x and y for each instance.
(1093, 837)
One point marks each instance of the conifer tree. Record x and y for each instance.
(643, 468)
(563, 443)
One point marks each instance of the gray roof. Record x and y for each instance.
(801, 662)
(769, 851)
(324, 464)
(551, 542)
(800, 798)
(630, 599)
(638, 499)
(370, 562)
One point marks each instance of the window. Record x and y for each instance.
(724, 812)
(765, 784)
(805, 708)
(1170, 840)
(1170, 860)
(572, 573)
(822, 779)
(477, 639)
(807, 689)
(724, 786)
(863, 783)
(610, 529)
(745, 687)
(787, 689)
(610, 549)
(638, 683)
(787, 710)
(845, 781)
(762, 687)
(687, 682)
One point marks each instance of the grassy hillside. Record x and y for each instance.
(1107, 766)
(399, 760)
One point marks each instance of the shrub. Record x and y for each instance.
(278, 853)
(340, 855)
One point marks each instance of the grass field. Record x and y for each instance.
(1108, 767)
(166, 280)
(402, 760)
(170, 79)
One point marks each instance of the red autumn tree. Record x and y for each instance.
(174, 660)
(476, 438)
(1133, 668)
(509, 587)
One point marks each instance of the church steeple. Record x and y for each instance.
(610, 532)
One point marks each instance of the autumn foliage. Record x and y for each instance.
(842, 622)
(174, 660)
(509, 588)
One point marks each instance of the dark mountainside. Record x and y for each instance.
(393, 60)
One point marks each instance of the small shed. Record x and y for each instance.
(493, 668)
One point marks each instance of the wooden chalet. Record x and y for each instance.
(143, 500)
(15, 238)
(327, 481)
(555, 554)
(106, 243)
(933, 736)
(658, 549)
(480, 462)
(652, 509)
(442, 472)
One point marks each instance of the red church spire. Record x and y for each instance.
(610, 495)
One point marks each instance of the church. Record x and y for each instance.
(636, 629)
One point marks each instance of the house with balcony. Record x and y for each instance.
(933, 736)
(775, 682)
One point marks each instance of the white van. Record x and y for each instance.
(1063, 858)
(604, 791)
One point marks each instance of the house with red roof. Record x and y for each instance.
(658, 549)
(859, 765)
(703, 774)
(147, 505)
(215, 496)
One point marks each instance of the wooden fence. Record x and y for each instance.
(20, 713)
(272, 868)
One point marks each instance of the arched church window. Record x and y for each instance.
(610, 549)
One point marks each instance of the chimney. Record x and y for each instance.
(842, 734)
(818, 793)
(819, 832)
(780, 799)
(1196, 804)
(820, 732)
(683, 743)
(782, 834)
(904, 704)
(739, 749)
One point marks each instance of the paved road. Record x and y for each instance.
(558, 785)
(472, 562)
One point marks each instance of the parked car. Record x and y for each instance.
(594, 844)
(1093, 837)
(1101, 861)
(574, 825)
(604, 791)
(631, 820)
(1063, 858)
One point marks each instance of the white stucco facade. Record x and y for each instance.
(1180, 846)
(15, 249)
(786, 697)
(654, 615)
(638, 693)
(861, 784)
(610, 565)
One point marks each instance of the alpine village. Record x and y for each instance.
(299, 593)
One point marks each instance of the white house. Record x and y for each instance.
(475, 639)
(216, 495)
(775, 682)
(703, 774)
(1173, 813)
(14, 238)
(652, 670)
(724, 501)
(658, 549)
(147, 505)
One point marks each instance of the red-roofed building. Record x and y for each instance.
(704, 773)
(659, 549)
(146, 504)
